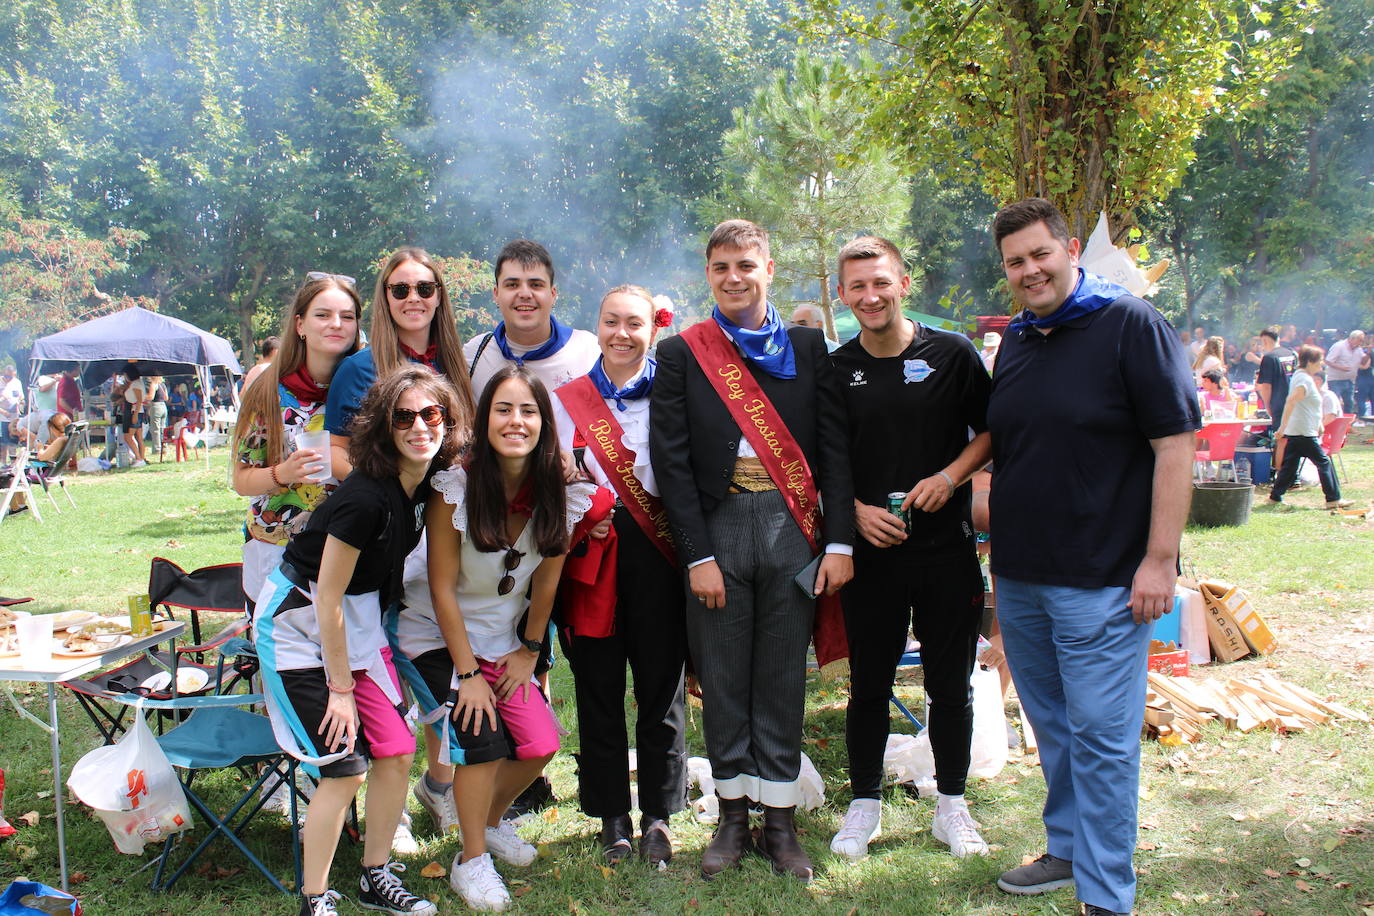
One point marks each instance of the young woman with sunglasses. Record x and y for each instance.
(623, 600)
(412, 322)
(332, 690)
(319, 329)
(474, 614)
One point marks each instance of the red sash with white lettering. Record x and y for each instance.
(606, 441)
(760, 423)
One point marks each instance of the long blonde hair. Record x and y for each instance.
(262, 399)
(1214, 346)
(443, 327)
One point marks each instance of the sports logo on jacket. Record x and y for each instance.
(858, 379)
(916, 370)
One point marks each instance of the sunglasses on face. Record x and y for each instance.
(424, 289)
(433, 415)
(508, 581)
(321, 275)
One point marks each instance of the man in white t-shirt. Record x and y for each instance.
(11, 403)
(1300, 430)
(528, 333)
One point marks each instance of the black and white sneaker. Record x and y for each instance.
(381, 889)
(326, 904)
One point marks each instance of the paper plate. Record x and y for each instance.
(189, 680)
(72, 618)
(114, 642)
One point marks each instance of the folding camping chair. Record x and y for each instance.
(19, 483)
(219, 735)
(51, 473)
(911, 659)
(210, 588)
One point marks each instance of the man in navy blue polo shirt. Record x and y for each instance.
(1092, 416)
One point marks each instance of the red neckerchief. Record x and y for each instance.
(523, 503)
(428, 357)
(303, 386)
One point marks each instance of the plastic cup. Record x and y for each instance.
(35, 640)
(319, 441)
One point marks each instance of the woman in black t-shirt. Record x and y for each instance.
(332, 690)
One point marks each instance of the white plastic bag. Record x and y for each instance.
(989, 752)
(132, 788)
(811, 785)
(908, 760)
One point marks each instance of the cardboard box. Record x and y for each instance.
(1236, 604)
(1173, 662)
(1222, 630)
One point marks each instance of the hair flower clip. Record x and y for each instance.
(663, 312)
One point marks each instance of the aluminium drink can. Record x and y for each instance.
(894, 505)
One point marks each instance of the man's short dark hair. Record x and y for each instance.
(270, 345)
(525, 253)
(1028, 212)
(738, 233)
(867, 247)
(1214, 376)
(1272, 332)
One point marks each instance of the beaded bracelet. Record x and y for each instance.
(471, 674)
(272, 471)
(332, 689)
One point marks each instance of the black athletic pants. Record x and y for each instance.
(943, 604)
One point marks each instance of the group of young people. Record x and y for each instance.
(734, 498)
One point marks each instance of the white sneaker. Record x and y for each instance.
(958, 830)
(403, 841)
(863, 822)
(477, 882)
(140, 463)
(441, 806)
(505, 844)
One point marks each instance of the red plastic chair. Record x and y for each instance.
(1333, 439)
(1221, 439)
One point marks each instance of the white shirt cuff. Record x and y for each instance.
(844, 550)
(696, 563)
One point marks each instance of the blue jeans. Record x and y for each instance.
(1345, 390)
(1078, 660)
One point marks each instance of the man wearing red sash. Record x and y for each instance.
(622, 599)
(747, 436)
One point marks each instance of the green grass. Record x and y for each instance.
(1236, 824)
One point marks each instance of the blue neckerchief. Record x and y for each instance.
(637, 389)
(769, 347)
(1091, 294)
(559, 337)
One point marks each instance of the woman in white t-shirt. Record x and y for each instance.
(1300, 432)
(1211, 356)
(498, 529)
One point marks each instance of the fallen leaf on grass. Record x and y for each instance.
(1332, 842)
(1271, 873)
(1145, 846)
(550, 814)
(433, 870)
(1303, 886)
(78, 877)
(28, 820)
(1303, 863)
(520, 891)
(607, 871)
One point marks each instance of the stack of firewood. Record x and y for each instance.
(1176, 707)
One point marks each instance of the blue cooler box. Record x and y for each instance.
(1259, 461)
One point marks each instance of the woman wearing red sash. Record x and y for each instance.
(635, 612)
